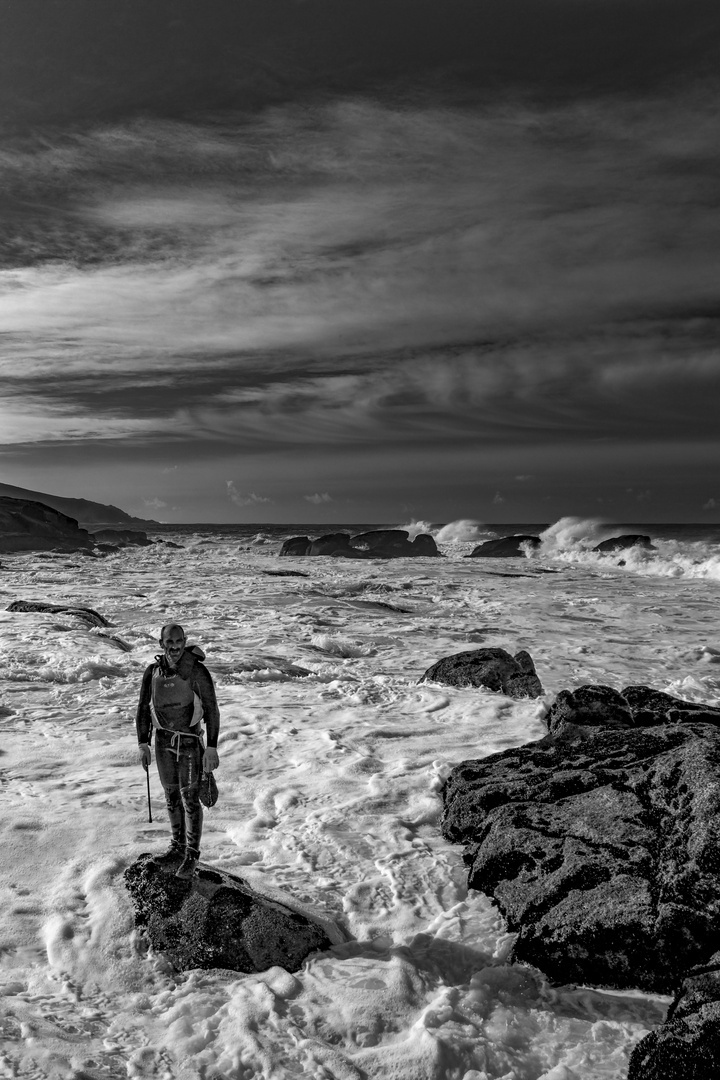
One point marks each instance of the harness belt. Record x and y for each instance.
(178, 735)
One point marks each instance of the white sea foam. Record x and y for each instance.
(330, 792)
(463, 531)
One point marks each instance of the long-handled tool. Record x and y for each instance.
(147, 777)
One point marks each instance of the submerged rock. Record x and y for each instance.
(493, 668)
(506, 547)
(601, 842)
(123, 537)
(622, 543)
(217, 920)
(687, 1045)
(86, 613)
(32, 526)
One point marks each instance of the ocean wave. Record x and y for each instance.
(572, 539)
(460, 531)
(336, 645)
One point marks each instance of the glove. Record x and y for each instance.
(144, 754)
(210, 759)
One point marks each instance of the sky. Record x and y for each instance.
(331, 260)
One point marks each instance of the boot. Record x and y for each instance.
(187, 867)
(172, 857)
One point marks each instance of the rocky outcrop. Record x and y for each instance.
(376, 544)
(687, 1045)
(492, 668)
(81, 510)
(122, 537)
(217, 920)
(622, 543)
(506, 547)
(600, 843)
(87, 614)
(32, 526)
(296, 545)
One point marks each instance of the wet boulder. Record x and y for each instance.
(687, 1045)
(375, 544)
(296, 545)
(600, 843)
(31, 526)
(492, 668)
(394, 543)
(622, 543)
(333, 544)
(506, 547)
(87, 614)
(123, 537)
(634, 706)
(217, 920)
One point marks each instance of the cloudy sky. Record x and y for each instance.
(362, 260)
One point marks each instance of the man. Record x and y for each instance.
(176, 693)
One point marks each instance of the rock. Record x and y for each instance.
(217, 920)
(394, 543)
(87, 614)
(506, 547)
(589, 706)
(296, 545)
(622, 543)
(32, 526)
(285, 573)
(655, 707)
(123, 537)
(687, 1045)
(334, 544)
(493, 668)
(89, 514)
(600, 847)
(635, 706)
(376, 544)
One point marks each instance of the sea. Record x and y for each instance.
(333, 757)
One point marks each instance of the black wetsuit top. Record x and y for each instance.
(192, 669)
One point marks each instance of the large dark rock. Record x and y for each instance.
(506, 547)
(123, 537)
(333, 544)
(217, 920)
(296, 545)
(493, 668)
(376, 544)
(394, 543)
(87, 614)
(600, 844)
(622, 543)
(635, 706)
(687, 1045)
(32, 526)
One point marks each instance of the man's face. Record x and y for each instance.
(173, 643)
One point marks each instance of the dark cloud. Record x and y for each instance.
(64, 60)
(467, 229)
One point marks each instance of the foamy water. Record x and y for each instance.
(331, 762)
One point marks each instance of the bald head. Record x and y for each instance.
(171, 628)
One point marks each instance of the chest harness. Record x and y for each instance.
(174, 706)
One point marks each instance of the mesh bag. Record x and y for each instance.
(208, 789)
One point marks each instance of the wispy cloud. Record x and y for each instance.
(240, 499)
(355, 273)
(318, 499)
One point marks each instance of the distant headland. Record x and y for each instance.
(85, 512)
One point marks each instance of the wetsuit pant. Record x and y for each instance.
(180, 778)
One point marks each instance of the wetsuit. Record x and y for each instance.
(178, 750)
